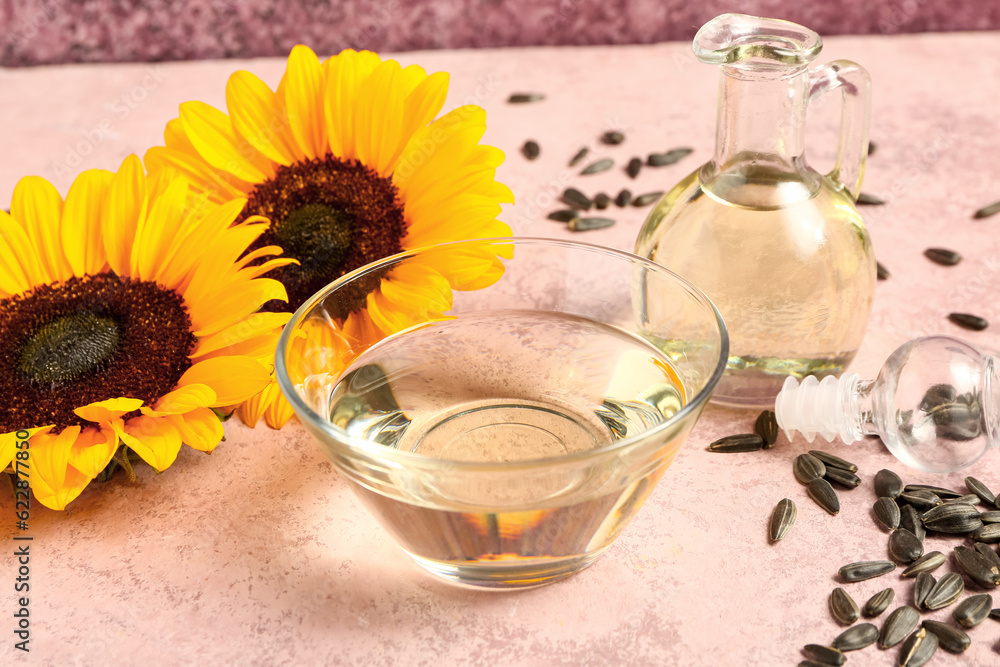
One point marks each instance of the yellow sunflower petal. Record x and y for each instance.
(199, 429)
(257, 324)
(54, 482)
(9, 442)
(413, 283)
(344, 75)
(157, 230)
(278, 412)
(211, 184)
(422, 105)
(81, 228)
(470, 268)
(19, 269)
(388, 318)
(181, 400)
(211, 133)
(105, 412)
(225, 249)
(251, 410)
(155, 439)
(303, 89)
(211, 317)
(379, 123)
(93, 449)
(193, 239)
(38, 207)
(124, 211)
(258, 117)
(234, 379)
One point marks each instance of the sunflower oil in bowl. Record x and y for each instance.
(505, 389)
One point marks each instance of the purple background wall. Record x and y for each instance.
(58, 31)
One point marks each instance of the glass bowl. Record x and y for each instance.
(504, 432)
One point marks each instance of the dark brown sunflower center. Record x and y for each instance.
(331, 215)
(86, 340)
(69, 347)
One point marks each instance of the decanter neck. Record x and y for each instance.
(761, 121)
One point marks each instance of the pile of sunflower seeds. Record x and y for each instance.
(909, 512)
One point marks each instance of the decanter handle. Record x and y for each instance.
(852, 151)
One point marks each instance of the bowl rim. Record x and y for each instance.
(359, 446)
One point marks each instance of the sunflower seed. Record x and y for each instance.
(979, 568)
(782, 519)
(881, 272)
(865, 199)
(968, 321)
(597, 167)
(973, 610)
(580, 154)
(987, 211)
(612, 138)
(564, 215)
(924, 584)
(807, 467)
(970, 499)
(939, 491)
(988, 554)
(993, 516)
(943, 256)
(863, 570)
(824, 495)
(901, 622)
(670, 157)
(843, 607)
(647, 199)
(909, 519)
(989, 533)
(954, 518)
(926, 563)
(995, 614)
(744, 442)
(824, 655)
(766, 427)
(856, 638)
(887, 512)
(531, 149)
(577, 199)
(948, 589)
(888, 484)
(587, 224)
(918, 649)
(951, 638)
(601, 201)
(835, 461)
(904, 546)
(981, 490)
(624, 198)
(879, 602)
(634, 165)
(522, 98)
(920, 499)
(813, 663)
(846, 479)
(871, 147)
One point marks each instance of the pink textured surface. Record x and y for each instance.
(260, 555)
(60, 31)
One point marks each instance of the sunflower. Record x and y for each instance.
(124, 319)
(348, 163)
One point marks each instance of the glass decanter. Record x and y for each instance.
(779, 247)
(935, 405)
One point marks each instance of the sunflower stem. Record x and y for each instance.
(121, 458)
